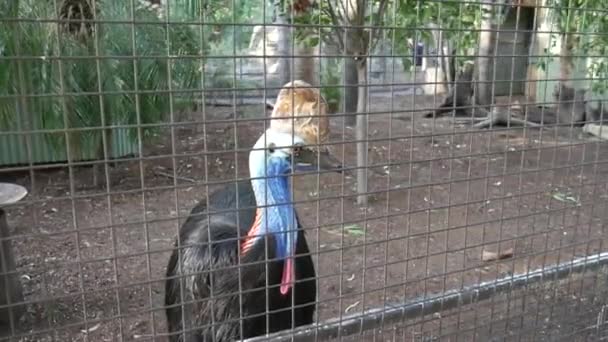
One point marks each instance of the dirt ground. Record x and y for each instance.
(92, 260)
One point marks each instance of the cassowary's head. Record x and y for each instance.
(278, 153)
(299, 125)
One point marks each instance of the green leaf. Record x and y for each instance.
(354, 229)
(565, 197)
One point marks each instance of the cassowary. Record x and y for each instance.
(237, 273)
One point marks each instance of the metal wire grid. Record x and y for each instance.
(406, 267)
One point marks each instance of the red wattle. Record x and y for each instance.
(287, 279)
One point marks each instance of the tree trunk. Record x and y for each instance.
(444, 59)
(566, 63)
(352, 47)
(570, 101)
(305, 67)
(361, 133)
(350, 91)
(435, 72)
(458, 99)
(356, 48)
(484, 63)
(283, 48)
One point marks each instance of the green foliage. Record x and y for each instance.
(403, 20)
(306, 33)
(460, 21)
(329, 13)
(62, 80)
(330, 82)
(457, 20)
(219, 16)
(222, 37)
(587, 22)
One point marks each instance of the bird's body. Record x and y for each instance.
(205, 275)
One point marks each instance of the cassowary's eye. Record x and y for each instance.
(297, 150)
(271, 147)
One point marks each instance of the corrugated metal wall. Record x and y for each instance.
(19, 148)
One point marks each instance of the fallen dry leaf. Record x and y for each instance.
(352, 306)
(91, 329)
(491, 256)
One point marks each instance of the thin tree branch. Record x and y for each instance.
(171, 176)
(344, 9)
(336, 22)
(361, 12)
(374, 36)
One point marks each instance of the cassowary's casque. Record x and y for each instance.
(209, 289)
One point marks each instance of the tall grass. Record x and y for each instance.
(51, 78)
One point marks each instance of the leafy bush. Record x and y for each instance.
(54, 77)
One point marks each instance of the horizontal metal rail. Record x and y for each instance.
(394, 313)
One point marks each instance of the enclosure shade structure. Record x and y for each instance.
(236, 274)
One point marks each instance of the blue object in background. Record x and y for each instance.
(418, 52)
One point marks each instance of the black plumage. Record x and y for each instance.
(216, 246)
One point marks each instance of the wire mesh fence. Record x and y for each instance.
(303, 170)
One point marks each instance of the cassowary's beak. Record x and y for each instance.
(307, 159)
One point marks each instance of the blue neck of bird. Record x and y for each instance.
(276, 213)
